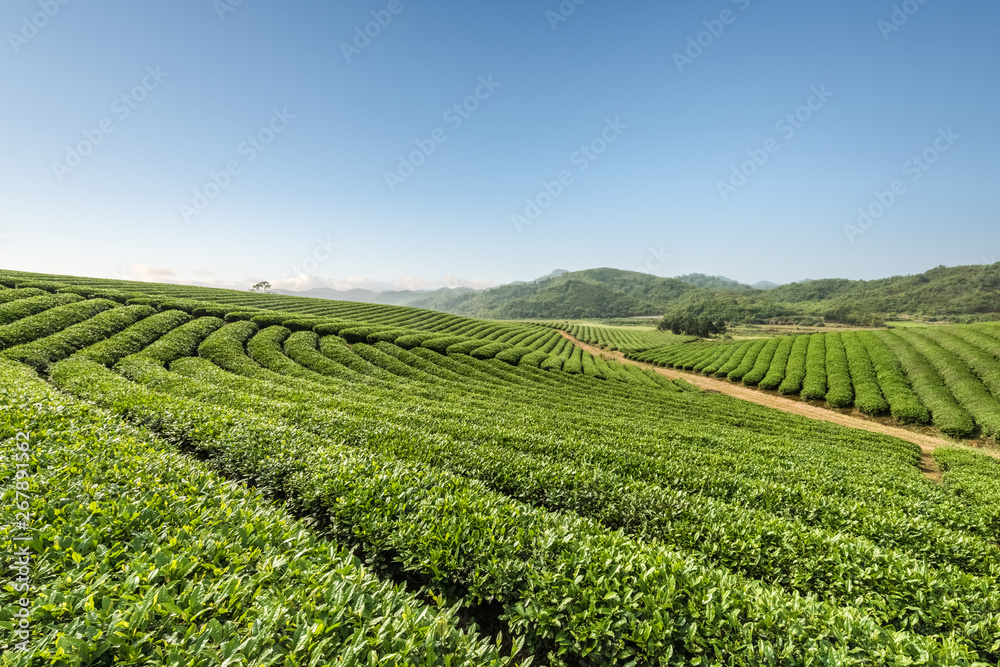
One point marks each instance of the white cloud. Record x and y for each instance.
(299, 283)
(145, 273)
(452, 281)
(305, 282)
(148, 273)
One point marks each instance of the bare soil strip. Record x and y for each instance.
(927, 443)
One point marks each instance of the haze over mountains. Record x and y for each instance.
(444, 297)
(609, 293)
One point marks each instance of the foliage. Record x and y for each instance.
(840, 391)
(148, 557)
(263, 287)
(688, 325)
(589, 514)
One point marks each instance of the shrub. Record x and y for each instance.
(46, 285)
(240, 316)
(8, 295)
(490, 350)
(51, 321)
(514, 355)
(110, 351)
(763, 363)
(413, 340)
(814, 385)
(332, 327)
(212, 311)
(905, 405)
(302, 323)
(928, 385)
(779, 363)
(271, 319)
(41, 352)
(749, 359)
(465, 346)
(795, 371)
(85, 292)
(840, 393)
(867, 395)
(440, 344)
(13, 311)
(533, 359)
(117, 296)
(357, 334)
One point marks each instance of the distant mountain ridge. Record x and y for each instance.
(420, 298)
(561, 294)
(612, 293)
(712, 282)
(387, 298)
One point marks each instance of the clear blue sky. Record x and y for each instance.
(198, 80)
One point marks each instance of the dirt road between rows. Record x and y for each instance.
(927, 443)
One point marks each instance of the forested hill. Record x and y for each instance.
(597, 293)
(940, 291)
(594, 293)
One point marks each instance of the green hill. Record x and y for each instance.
(943, 291)
(594, 293)
(209, 477)
(961, 293)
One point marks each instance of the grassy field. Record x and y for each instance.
(217, 477)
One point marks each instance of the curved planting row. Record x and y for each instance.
(627, 339)
(949, 376)
(207, 383)
(576, 519)
(868, 396)
(406, 520)
(776, 372)
(946, 412)
(105, 323)
(151, 558)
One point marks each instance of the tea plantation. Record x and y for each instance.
(945, 375)
(211, 477)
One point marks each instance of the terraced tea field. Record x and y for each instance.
(216, 477)
(945, 376)
(626, 339)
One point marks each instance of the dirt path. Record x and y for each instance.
(927, 443)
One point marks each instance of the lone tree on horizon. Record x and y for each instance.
(263, 287)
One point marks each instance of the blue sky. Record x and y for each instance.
(224, 143)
